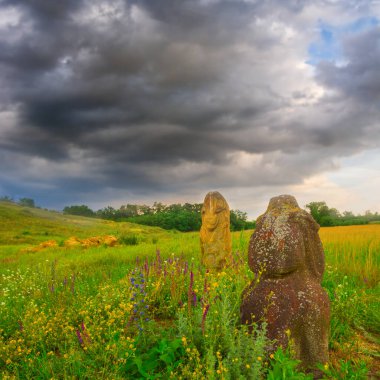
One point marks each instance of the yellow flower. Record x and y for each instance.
(247, 366)
(259, 358)
(184, 341)
(326, 366)
(271, 356)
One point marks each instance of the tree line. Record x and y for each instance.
(182, 217)
(329, 217)
(186, 217)
(25, 202)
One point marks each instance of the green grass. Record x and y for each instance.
(81, 312)
(23, 225)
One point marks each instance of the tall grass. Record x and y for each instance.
(354, 250)
(131, 311)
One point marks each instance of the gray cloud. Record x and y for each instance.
(162, 97)
(359, 77)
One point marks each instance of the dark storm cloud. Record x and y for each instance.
(170, 94)
(358, 78)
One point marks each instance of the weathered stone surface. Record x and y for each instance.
(215, 232)
(286, 252)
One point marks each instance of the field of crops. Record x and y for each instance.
(146, 309)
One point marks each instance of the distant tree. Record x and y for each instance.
(106, 213)
(334, 213)
(126, 211)
(144, 210)
(26, 202)
(348, 214)
(158, 207)
(320, 212)
(6, 198)
(238, 220)
(81, 210)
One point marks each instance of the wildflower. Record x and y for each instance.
(194, 300)
(326, 366)
(271, 356)
(190, 295)
(205, 311)
(184, 341)
(79, 336)
(259, 358)
(247, 366)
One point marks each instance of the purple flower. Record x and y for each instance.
(146, 267)
(194, 299)
(80, 340)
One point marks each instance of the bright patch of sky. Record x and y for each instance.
(359, 177)
(328, 46)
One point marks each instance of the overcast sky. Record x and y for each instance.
(135, 101)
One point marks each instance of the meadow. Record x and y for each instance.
(145, 308)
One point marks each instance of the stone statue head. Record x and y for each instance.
(215, 211)
(286, 240)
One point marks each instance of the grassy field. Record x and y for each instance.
(145, 308)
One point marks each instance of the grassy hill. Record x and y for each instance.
(24, 225)
(131, 311)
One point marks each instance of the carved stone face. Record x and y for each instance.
(215, 211)
(215, 235)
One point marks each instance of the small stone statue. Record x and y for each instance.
(286, 255)
(215, 232)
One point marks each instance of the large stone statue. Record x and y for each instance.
(215, 231)
(286, 254)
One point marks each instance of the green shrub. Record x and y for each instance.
(129, 240)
